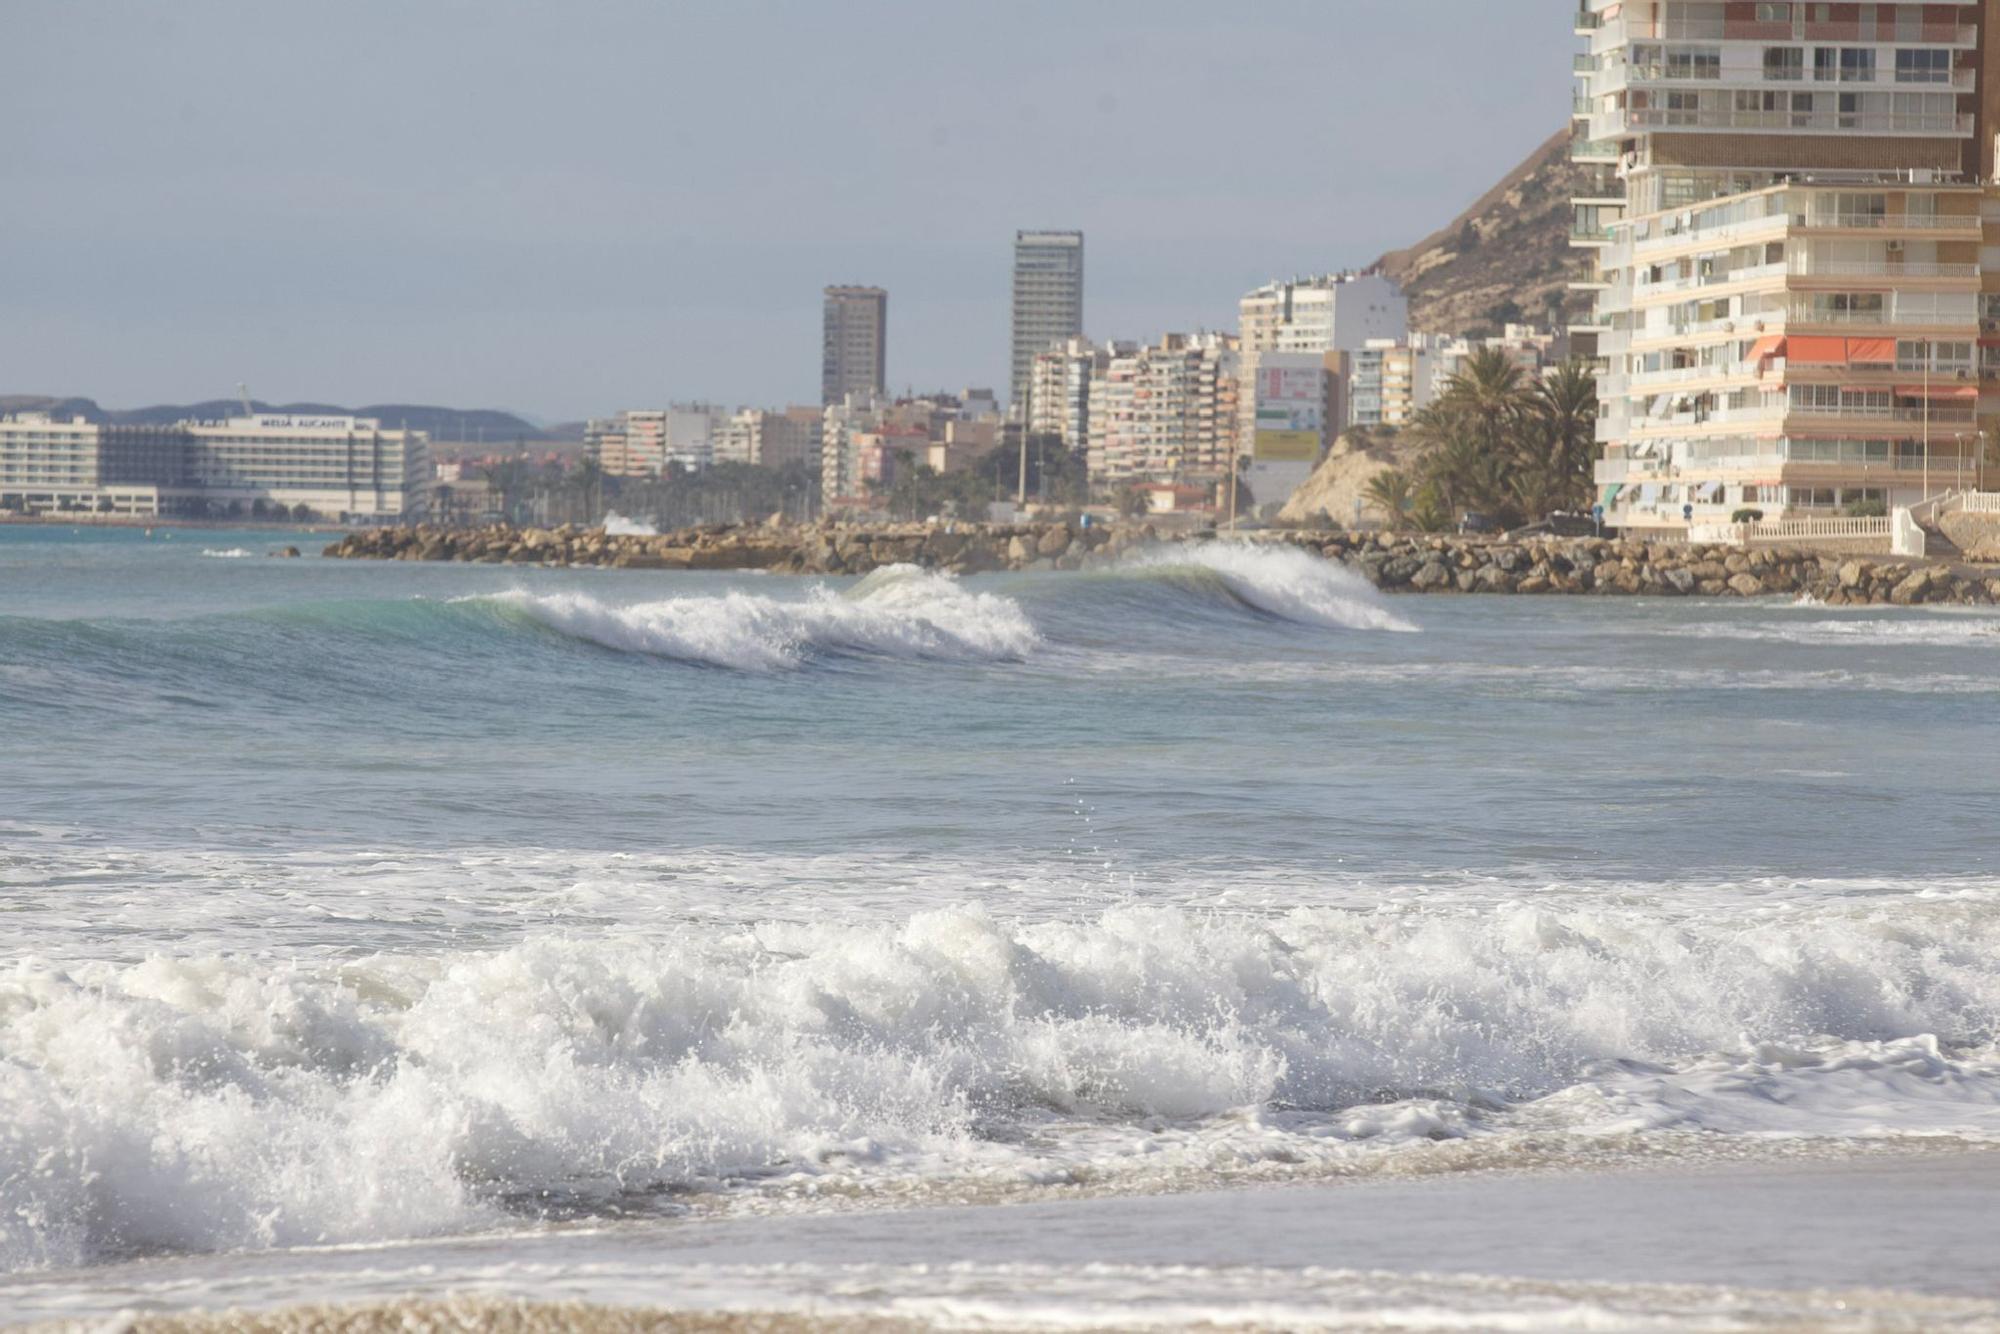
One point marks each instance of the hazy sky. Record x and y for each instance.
(565, 208)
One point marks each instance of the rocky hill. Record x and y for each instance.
(1506, 258)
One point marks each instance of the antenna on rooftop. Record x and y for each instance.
(243, 396)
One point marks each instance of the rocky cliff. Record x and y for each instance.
(1506, 258)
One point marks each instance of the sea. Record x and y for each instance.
(565, 916)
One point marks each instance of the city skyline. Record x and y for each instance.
(502, 243)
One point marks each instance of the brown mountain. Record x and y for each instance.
(1505, 259)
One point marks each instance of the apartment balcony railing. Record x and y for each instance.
(1946, 415)
(1896, 222)
(1877, 122)
(1593, 150)
(1682, 28)
(1589, 235)
(1643, 381)
(1702, 280)
(1810, 316)
(1803, 266)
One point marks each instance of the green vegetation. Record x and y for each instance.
(1499, 443)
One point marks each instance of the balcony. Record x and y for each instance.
(1808, 316)
(1889, 222)
(1817, 122)
(1886, 270)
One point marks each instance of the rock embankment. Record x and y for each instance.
(807, 549)
(1398, 563)
(1426, 564)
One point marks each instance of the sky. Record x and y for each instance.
(576, 206)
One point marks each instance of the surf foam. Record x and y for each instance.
(214, 1103)
(896, 612)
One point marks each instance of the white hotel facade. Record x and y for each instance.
(1795, 257)
(342, 469)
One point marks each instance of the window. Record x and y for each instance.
(1787, 64)
(1826, 64)
(1922, 66)
(1695, 62)
(1774, 13)
(1857, 64)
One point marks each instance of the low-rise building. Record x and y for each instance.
(338, 467)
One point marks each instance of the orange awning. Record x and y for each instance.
(1872, 351)
(1770, 345)
(1943, 389)
(1813, 351)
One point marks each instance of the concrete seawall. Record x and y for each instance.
(1401, 563)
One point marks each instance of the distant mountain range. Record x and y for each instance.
(1506, 259)
(447, 426)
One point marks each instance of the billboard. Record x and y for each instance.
(1286, 446)
(1290, 412)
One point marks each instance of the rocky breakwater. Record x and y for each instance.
(1429, 564)
(781, 549)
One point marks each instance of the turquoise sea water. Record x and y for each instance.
(349, 901)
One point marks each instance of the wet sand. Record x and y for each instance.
(1899, 1241)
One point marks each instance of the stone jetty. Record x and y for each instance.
(1399, 563)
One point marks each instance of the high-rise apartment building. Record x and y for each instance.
(1332, 316)
(1787, 227)
(1059, 396)
(1048, 302)
(1165, 413)
(1335, 312)
(855, 345)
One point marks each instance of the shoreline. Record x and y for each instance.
(1784, 1244)
(1392, 563)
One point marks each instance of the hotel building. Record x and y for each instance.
(341, 468)
(1788, 231)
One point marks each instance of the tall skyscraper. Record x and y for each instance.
(855, 346)
(1788, 238)
(1048, 300)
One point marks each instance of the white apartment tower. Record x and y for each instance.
(1048, 301)
(1788, 230)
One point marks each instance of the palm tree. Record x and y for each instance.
(1392, 492)
(1563, 406)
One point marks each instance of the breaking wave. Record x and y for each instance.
(1281, 582)
(229, 553)
(897, 612)
(208, 1103)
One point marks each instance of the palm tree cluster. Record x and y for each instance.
(1513, 447)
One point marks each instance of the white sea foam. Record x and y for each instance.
(617, 525)
(198, 1103)
(1833, 628)
(227, 553)
(1279, 581)
(896, 612)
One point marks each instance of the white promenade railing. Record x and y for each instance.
(1793, 530)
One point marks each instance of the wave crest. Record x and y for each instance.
(1278, 581)
(896, 612)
